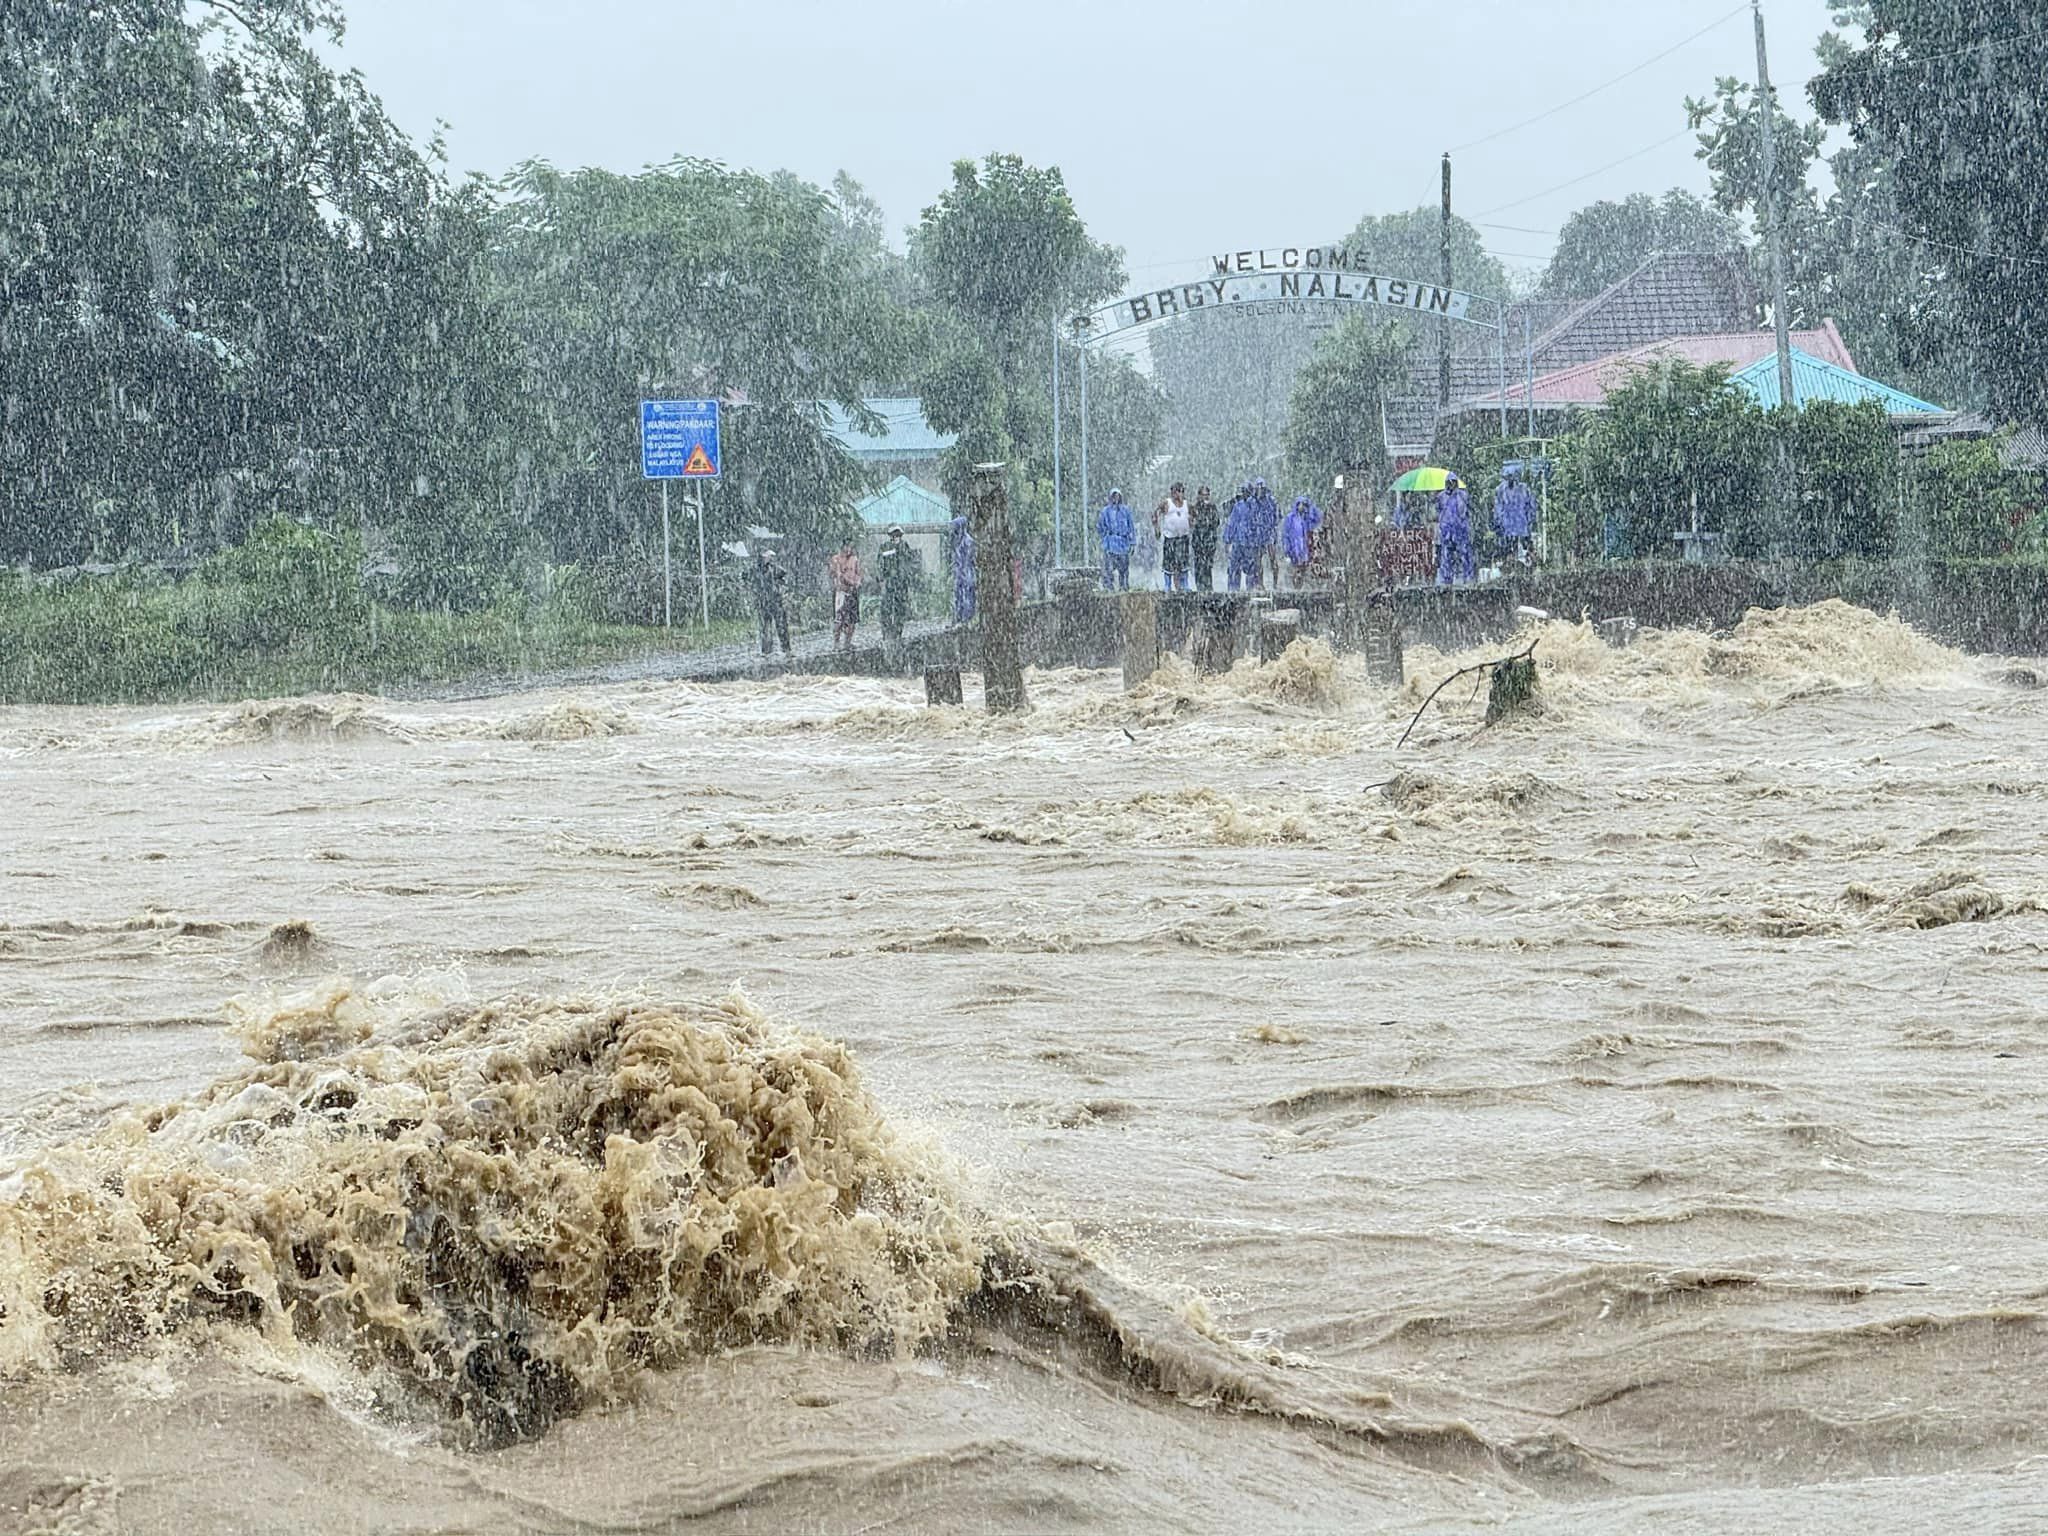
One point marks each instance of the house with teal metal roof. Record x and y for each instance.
(904, 501)
(925, 516)
(907, 444)
(1815, 379)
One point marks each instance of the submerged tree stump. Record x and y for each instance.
(1513, 689)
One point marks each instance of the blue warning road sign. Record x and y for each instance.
(679, 439)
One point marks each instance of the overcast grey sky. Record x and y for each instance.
(1183, 128)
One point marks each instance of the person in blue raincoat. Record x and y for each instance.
(963, 573)
(1454, 561)
(1118, 531)
(1268, 531)
(1297, 536)
(1514, 517)
(1240, 538)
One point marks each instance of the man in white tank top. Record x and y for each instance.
(1170, 519)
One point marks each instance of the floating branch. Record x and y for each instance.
(1477, 666)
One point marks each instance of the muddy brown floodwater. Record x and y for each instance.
(783, 1107)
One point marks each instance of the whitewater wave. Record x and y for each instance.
(504, 1212)
(1773, 656)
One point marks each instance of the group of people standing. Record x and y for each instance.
(1253, 534)
(896, 575)
(1514, 524)
(1255, 538)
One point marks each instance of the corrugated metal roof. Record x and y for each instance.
(905, 432)
(1590, 383)
(1814, 379)
(903, 501)
(1672, 294)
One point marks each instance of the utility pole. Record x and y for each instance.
(1768, 103)
(1443, 346)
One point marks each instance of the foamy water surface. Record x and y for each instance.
(433, 1116)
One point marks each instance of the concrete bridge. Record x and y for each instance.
(1977, 607)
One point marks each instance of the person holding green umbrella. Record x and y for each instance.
(1416, 481)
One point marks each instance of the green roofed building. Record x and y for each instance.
(925, 517)
(1814, 379)
(907, 445)
(904, 501)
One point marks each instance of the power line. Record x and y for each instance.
(1564, 106)
(1946, 245)
(1513, 229)
(1872, 55)
(1588, 176)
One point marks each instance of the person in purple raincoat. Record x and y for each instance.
(1514, 517)
(1118, 531)
(963, 573)
(1454, 561)
(1297, 536)
(1266, 532)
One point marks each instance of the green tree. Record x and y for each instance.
(1604, 242)
(1845, 462)
(1003, 253)
(1333, 421)
(694, 280)
(1946, 95)
(1971, 503)
(1671, 436)
(1845, 258)
(1227, 376)
(1410, 244)
(228, 284)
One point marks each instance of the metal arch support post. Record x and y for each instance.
(1084, 446)
(1056, 543)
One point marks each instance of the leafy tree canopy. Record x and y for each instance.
(1334, 420)
(695, 280)
(1604, 242)
(1945, 95)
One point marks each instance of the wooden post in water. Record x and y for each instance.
(1002, 666)
(1354, 546)
(1141, 636)
(1216, 632)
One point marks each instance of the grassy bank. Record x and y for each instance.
(286, 613)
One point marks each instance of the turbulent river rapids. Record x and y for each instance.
(782, 1106)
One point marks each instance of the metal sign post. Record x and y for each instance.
(679, 441)
(703, 569)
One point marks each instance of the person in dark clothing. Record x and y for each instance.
(1204, 524)
(896, 567)
(767, 578)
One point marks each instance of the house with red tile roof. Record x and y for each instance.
(1588, 384)
(1673, 296)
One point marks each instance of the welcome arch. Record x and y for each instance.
(1289, 275)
